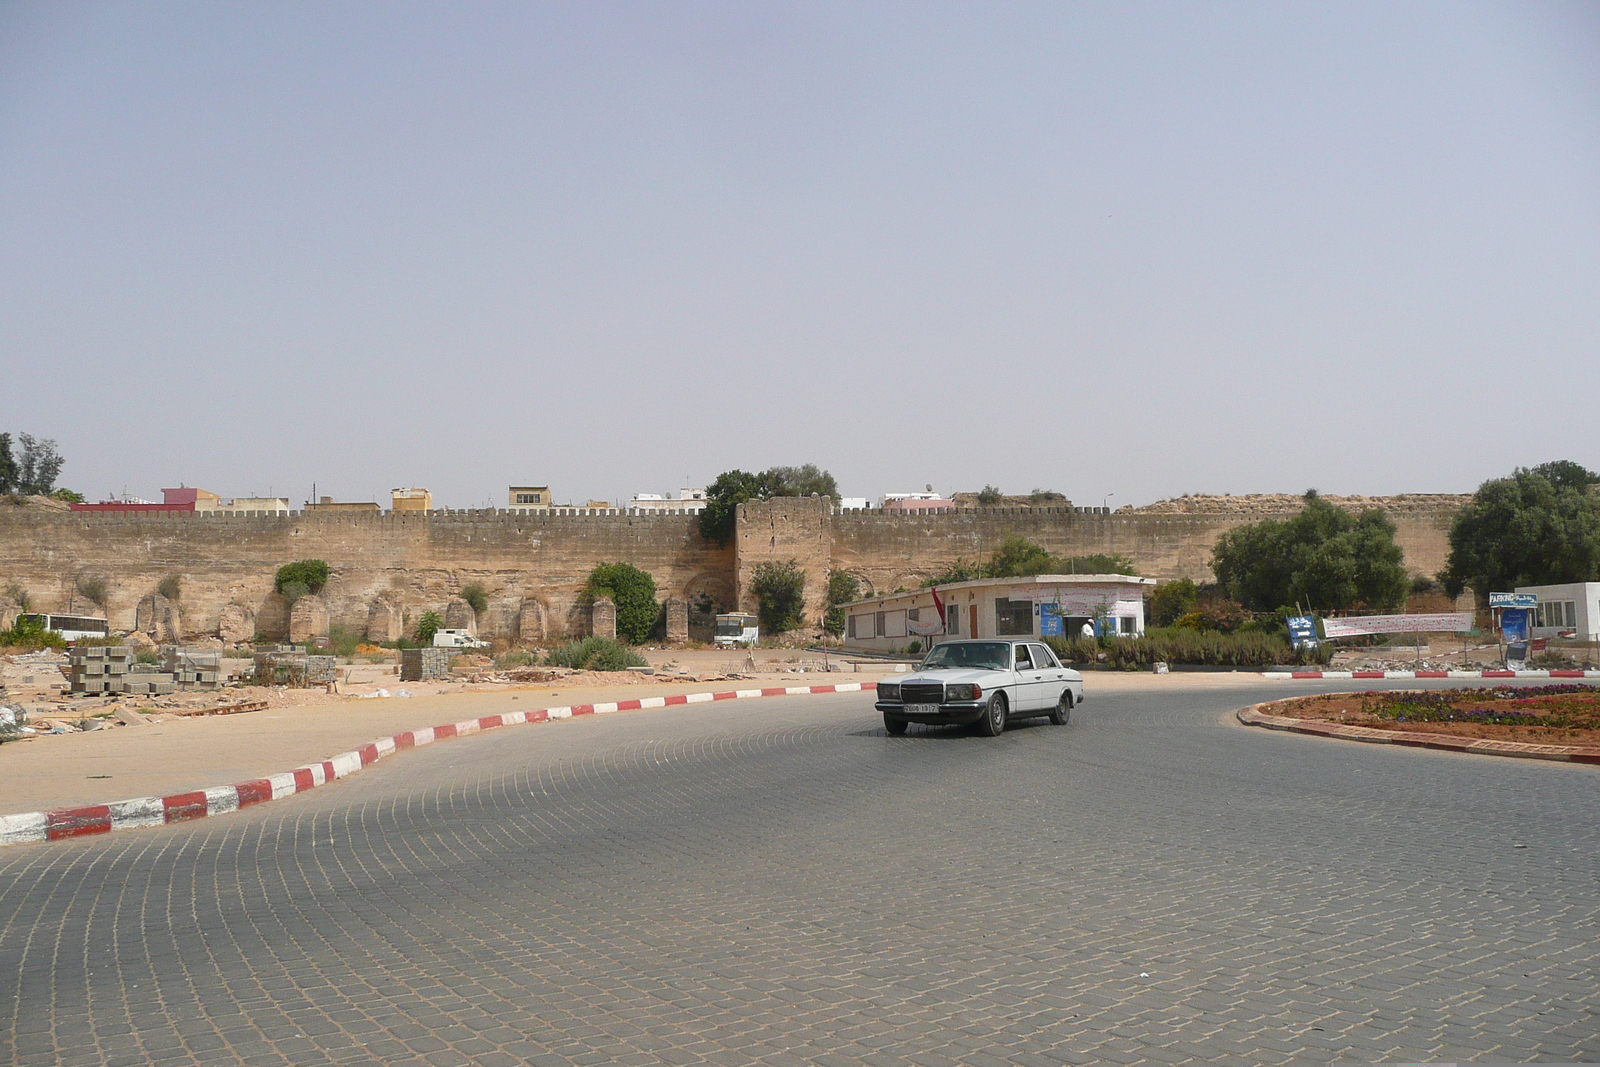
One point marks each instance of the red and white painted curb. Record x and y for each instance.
(181, 807)
(1429, 674)
(1255, 716)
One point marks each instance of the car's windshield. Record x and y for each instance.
(989, 655)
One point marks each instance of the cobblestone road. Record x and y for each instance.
(779, 882)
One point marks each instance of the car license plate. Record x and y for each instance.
(922, 709)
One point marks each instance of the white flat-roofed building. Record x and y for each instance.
(1572, 608)
(1039, 605)
(689, 501)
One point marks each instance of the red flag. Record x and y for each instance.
(938, 605)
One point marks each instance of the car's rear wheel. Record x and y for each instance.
(993, 723)
(1063, 713)
(895, 726)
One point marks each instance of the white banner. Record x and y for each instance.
(926, 622)
(1444, 622)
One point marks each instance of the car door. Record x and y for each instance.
(1030, 683)
(1052, 676)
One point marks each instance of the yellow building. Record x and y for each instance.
(529, 497)
(412, 499)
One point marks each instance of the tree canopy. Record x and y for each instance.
(1323, 558)
(1017, 556)
(780, 589)
(1537, 527)
(34, 471)
(735, 487)
(633, 591)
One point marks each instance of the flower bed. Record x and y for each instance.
(1547, 714)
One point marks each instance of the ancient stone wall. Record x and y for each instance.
(387, 568)
(416, 560)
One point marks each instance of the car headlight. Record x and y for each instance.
(963, 692)
(888, 690)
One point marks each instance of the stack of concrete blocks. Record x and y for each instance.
(99, 669)
(603, 618)
(425, 664)
(148, 683)
(192, 668)
(290, 665)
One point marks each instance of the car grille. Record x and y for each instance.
(922, 692)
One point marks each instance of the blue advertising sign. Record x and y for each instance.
(1513, 600)
(1050, 624)
(1302, 630)
(1514, 623)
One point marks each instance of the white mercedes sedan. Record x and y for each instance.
(986, 682)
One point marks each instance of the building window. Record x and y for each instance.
(1013, 618)
(879, 624)
(529, 498)
(1125, 624)
(952, 618)
(850, 626)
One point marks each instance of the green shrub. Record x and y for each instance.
(843, 587)
(780, 589)
(477, 596)
(518, 658)
(342, 640)
(428, 625)
(595, 654)
(989, 497)
(1171, 601)
(633, 591)
(1184, 646)
(30, 634)
(171, 586)
(311, 574)
(93, 588)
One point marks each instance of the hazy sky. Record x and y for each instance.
(1131, 249)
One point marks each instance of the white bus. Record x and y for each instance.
(70, 627)
(733, 630)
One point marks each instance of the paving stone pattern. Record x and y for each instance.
(779, 882)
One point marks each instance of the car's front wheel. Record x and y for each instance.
(993, 723)
(1063, 712)
(895, 726)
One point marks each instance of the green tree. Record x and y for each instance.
(476, 596)
(634, 593)
(805, 480)
(1173, 600)
(295, 580)
(843, 587)
(780, 588)
(1323, 558)
(8, 466)
(1537, 527)
(67, 495)
(732, 488)
(723, 497)
(38, 466)
(427, 625)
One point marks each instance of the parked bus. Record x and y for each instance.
(733, 630)
(70, 627)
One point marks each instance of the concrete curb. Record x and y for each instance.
(1255, 716)
(1429, 674)
(62, 823)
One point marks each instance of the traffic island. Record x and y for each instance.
(1554, 722)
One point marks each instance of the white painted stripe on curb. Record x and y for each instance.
(699, 698)
(23, 829)
(469, 727)
(423, 736)
(384, 745)
(140, 811)
(652, 702)
(282, 785)
(345, 763)
(745, 694)
(221, 800)
(847, 687)
(559, 713)
(601, 709)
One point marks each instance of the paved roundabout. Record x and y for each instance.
(778, 881)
